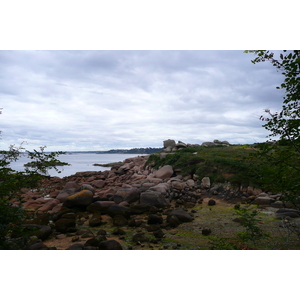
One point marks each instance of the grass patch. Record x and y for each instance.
(222, 164)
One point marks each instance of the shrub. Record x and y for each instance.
(249, 220)
(11, 184)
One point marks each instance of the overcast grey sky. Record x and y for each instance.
(100, 100)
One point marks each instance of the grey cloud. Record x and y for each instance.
(113, 99)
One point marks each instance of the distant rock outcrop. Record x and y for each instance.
(170, 146)
(215, 143)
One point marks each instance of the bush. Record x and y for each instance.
(11, 184)
(249, 220)
(222, 164)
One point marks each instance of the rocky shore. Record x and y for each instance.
(71, 212)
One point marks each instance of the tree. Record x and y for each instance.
(11, 184)
(281, 153)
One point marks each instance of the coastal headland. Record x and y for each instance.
(137, 206)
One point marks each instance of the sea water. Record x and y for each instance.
(79, 162)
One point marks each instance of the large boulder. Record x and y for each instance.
(286, 212)
(110, 245)
(129, 194)
(211, 202)
(146, 186)
(63, 211)
(190, 183)
(100, 206)
(173, 221)
(95, 241)
(164, 172)
(168, 150)
(32, 205)
(70, 188)
(95, 220)
(49, 205)
(88, 187)
(140, 208)
(82, 198)
(178, 185)
(77, 246)
(37, 246)
(66, 222)
(205, 182)
(181, 215)
(154, 219)
(71, 185)
(169, 143)
(154, 198)
(115, 210)
(263, 200)
(120, 220)
(139, 238)
(181, 145)
(162, 188)
(99, 183)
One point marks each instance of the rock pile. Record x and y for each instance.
(170, 146)
(215, 143)
(131, 194)
(123, 194)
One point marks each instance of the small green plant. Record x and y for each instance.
(249, 220)
(219, 243)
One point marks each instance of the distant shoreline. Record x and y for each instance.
(122, 151)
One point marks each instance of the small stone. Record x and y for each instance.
(211, 202)
(119, 220)
(173, 221)
(158, 233)
(76, 247)
(119, 231)
(139, 238)
(206, 231)
(237, 206)
(110, 245)
(94, 222)
(155, 219)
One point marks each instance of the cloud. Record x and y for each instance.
(97, 100)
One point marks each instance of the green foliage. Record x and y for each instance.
(11, 184)
(252, 235)
(280, 170)
(221, 164)
(154, 161)
(249, 220)
(42, 162)
(219, 243)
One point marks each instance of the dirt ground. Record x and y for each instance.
(221, 219)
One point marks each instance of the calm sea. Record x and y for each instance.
(79, 162)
